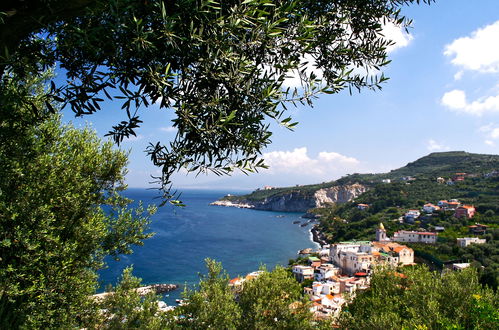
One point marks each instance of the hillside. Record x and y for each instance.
(299, 198)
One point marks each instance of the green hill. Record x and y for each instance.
(438, 164)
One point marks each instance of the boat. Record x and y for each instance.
(296, 222)
(304, 224)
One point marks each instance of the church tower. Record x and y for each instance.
(381, 234)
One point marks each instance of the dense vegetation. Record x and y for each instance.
(421, 299)
(61, 213)
(418, 299)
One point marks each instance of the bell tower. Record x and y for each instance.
(381, 234)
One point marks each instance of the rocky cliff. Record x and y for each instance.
(297, 201)
(338, 194)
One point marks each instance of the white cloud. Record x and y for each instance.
(486, 128)
(491, 132)
(398, 35)
(458, 75)
(435, 146)
(456, 100)
(336, 157)
(477, 52)
(494, 133)
(299, 162)
(490, 143)
(168, 129)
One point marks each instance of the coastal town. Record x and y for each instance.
(334, 273)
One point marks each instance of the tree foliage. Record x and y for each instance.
(273, 300)
(220, 66)
(60, 211)
(423, 300)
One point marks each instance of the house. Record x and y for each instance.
(411, 215)
(430, 208)
(439, 228)
(268, 187)
(236, 284)
(465, 241)
(451, 205)
(352, 257)
(440, 180)
(458, 177)
(460, 266)
(386, 181)
(408, 178)
(442, 203)
(415, 237)
(302, 273)
(450, 182)
(314, 262)
(394, 253)
(467, 211)
(478, 229)
(491, 174)
(325, 272)
(362, 206)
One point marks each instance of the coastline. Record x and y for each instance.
(317, 236)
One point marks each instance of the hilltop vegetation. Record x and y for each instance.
(429, 167)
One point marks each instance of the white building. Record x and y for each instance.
(411, 215)
(325, 272)
(460, 266)
(465, 241)
(352, 257)
(430, 208)
(415, 237)
(302, 273)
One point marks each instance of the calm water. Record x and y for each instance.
(241, 239)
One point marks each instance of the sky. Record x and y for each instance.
(443, 95)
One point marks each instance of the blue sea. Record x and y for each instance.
(242, 239)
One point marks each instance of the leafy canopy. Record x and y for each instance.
(60, 212)
(221, 67)
(422, 299)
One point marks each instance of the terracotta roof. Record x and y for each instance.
(399, 248)
(399, 275)
(360, 274)
(330, 297)
(234, 280)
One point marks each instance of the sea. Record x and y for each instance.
(241, 239)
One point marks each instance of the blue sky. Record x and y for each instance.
(443, 94)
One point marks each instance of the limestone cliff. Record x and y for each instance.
(298, 201)
(338, 194)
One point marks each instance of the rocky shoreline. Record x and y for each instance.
(231, 204)
(142, 291)
(317, 236)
